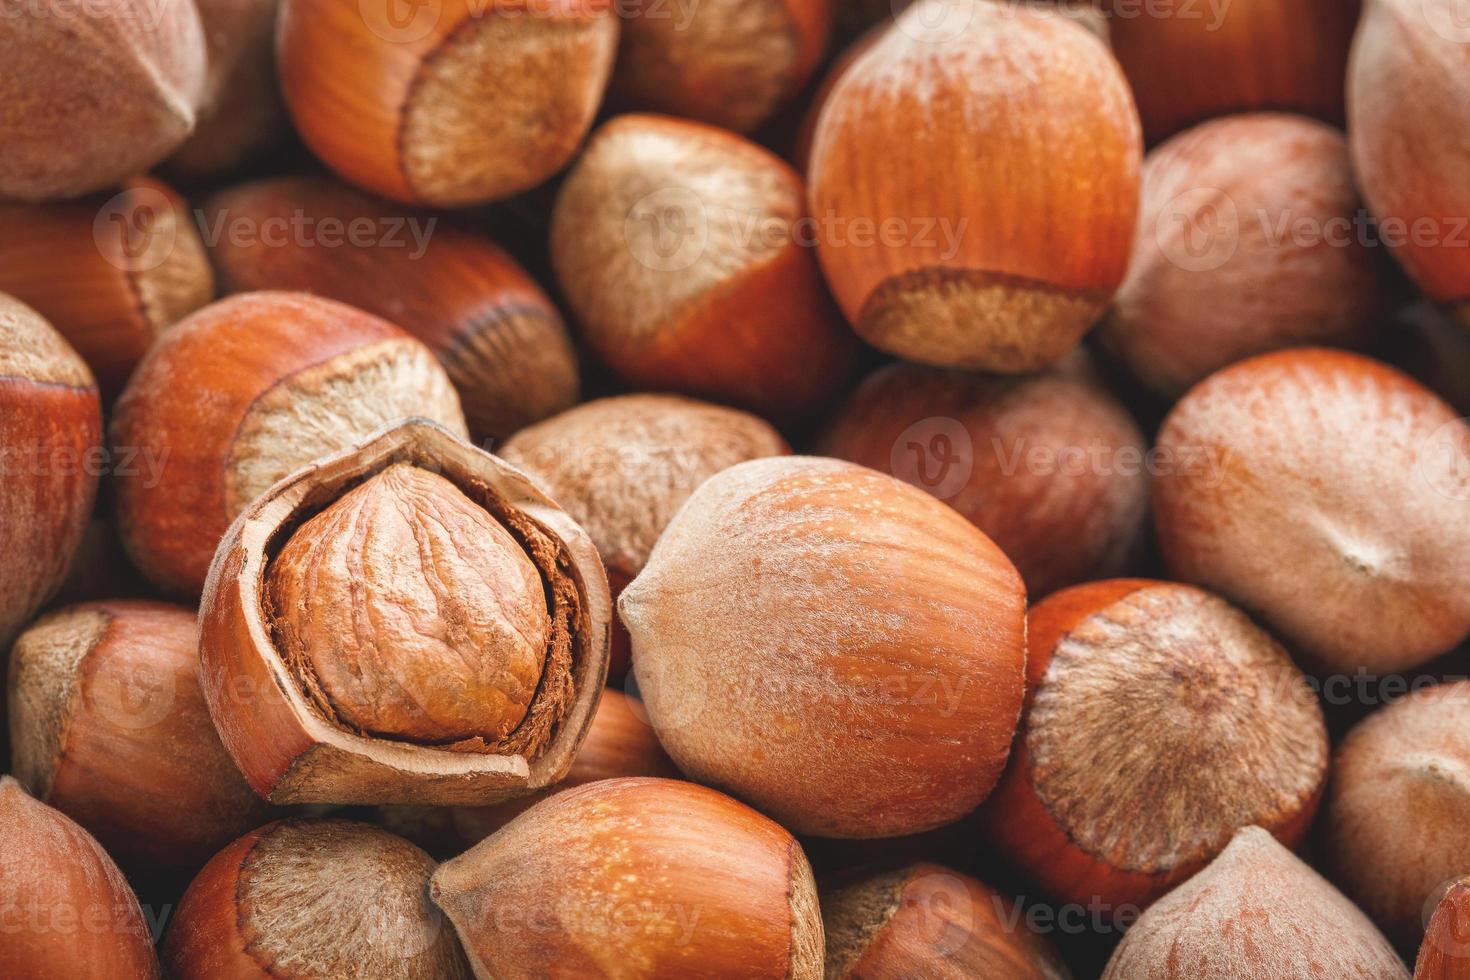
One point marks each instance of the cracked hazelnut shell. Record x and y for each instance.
(729, 63)
(460, 103)
(111, 271)
(499, 337)
(678, 248)
(1399, 808)
(1160, 699)
(642, 878)
(1256, 913)
(95, 94)
(1408, 96)
(1327, 494)
(109, 726)
(69, 910)
(313, 900)
(291, 378)
(992, 154)
(349, 610)
(1286, 263)
(924, 920)
(50, 444)
(1050, 466)
(623, 466)
(861, 627)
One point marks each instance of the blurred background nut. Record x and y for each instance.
(1050, 466)
(1256, 913)
(730, 63)
(419, 623)
(458, 103)
(1408, 99)
(109, 726)
(863, 686)
(1190, 62)
(1331, 498)
(924, 920)
(976, 172)
(69, 910)
(500, 339)
(313, 900)
(622, 467)
(1251, 239)
(110, 271)
(1445, 953)
(1159, 699)
(1399, 809)
(620, 742)
(50, 459)
(290, 378)
(639, 878)
(679, 249)
(95, 93)
(241, 116)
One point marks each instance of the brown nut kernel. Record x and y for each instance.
(69, 910)
(290, 378)
(108, 725)
(313, 900)
(1149, 697)
(111, 271)
(636, 878)
(498, 336)
(924, 920)
(372, 632)
(805, 623)
(1256, 913)
(460, 103)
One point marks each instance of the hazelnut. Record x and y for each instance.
(241, 115)
(1187, 66)
(409, 621)
(313, 899)
(69, 911)
(1324, 469)
(289, 378)
(1399, 810)
(976, 175)
(806, 623)
(640, 878)
(109, 726)
(461, 103)
(1268, 192)
(1256, 913)
(924, 920)
(620, 742)
(730, 63)
(678, 248)
(801, 150)
(51, 441)
(94, 94)
(499, 338)
(1445, 954)
(1050, 466)
(111, 272)
(1158, 699)
(622, 467)
(1408, 98)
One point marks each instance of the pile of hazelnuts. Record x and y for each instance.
(751, 489)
